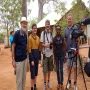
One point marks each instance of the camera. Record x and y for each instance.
(77, 32)
(71, 53)
(50, 45)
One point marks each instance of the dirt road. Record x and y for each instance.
(7, 77)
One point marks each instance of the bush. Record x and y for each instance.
(1, 38)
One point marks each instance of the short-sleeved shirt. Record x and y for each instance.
(58, 46)
(70, 43)
(11, 40)
(21, 44)
(47, 51)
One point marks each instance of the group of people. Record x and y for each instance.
(53, 48)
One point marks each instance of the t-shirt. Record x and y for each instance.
(46, 40)
(58, 46)
(70, 43)
(11, 40)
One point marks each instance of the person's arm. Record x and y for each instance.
(13, 55)
(64, 49)
(29, 50)
(13, 49)
(54, 52)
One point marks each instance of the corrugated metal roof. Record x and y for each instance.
(53, 17)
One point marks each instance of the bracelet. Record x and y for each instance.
(13, 58)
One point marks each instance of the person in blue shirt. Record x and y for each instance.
(19, 54)
(11, 39)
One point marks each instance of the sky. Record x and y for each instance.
(34, 7)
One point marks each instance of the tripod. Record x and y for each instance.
(76, 54)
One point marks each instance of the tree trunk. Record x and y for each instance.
(24, 8)
(7, 35)
(40, 12)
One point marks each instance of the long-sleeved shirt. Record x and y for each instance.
(34, 48)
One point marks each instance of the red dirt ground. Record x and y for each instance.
(7, 77)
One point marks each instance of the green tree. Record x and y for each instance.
(1, 38)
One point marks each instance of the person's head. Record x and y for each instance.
(23, 23)
(58, 28)
(69, 19)
(47, 24)
(34, 29)
(11, 33)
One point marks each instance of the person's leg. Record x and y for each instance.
(24, 73)
(61, 60)
(75, 74)
(19, 75)
(45, 71)
(50, 68)
(68, 71)
(36, 73)
(32, 70)
(57, 71)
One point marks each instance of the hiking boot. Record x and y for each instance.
(68, 85)
(49, 85)
(75, 87)
(35, 88)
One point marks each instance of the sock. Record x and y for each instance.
(74, 83)
(69, 81)
(31, 88)
(34, 85)
(45, 84)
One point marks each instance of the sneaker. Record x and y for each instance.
(49, 85)
(75, 87)
(68, 85)
(45, 88)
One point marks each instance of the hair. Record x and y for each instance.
(34, 25)
(47, 21)
(11, 32)
(69, 14)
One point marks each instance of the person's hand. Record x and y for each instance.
(51, 41)
(54, 61)
(39, 61)
(14, 63)
(32, 63)
(64, 59)
(47, 45)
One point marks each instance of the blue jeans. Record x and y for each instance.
(59, 69)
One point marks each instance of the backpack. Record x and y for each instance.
(87, 66)
(87, 69)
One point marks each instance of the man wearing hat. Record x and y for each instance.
(19, 54)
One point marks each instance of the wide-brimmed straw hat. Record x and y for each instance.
(23, 19)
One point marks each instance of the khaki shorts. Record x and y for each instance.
(47, 64)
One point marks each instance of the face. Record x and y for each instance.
(34, 29)
(58, 31)
(23, 26)
(69, 20)
(47, 25)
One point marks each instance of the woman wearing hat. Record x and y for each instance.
(58, 48)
